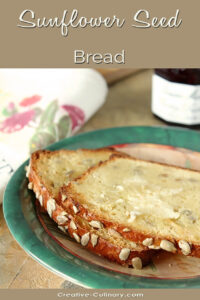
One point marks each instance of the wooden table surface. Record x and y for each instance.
(128, 103)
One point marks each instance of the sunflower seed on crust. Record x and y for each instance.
(85, 239)
(72, 225)
(96, 224)
(155, 247)
(126, 230)
(30, 186)
(167, 246)
(63, 197)
(77, 237)
(147, 242)
(114, 233)
(124, 254)
(185, 247)
(75, 209)
(27, 169)
(61, 219)
(62, 228)
(40, 200)
(133, 244)
(94, 239)
(137, 263)
(51, 206)
(64, 213)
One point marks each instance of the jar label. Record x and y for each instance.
(175, 102)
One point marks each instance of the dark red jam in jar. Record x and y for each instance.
(176, 95)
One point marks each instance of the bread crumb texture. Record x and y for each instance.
(156, 199)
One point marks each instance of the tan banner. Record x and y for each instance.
(99, 294)
(140, 33)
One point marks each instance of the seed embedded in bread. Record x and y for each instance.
(126, 230)
(96, 224)
(64, 213)
(132, 217)
(85, 239)
(27, 169)
(114, 233)
(119, 201)
(185, 247)
(40, 200)
(69, 173)
(51, 206)
(62, 228)
(63, 197)
(75, 209)
(94, 239)
(61, 219)
(124, 253)
(137, 263)
(154, 247)
(119, 187)
(168, 246)
(73, 225)
(147, 242)
(77, 237)
(30, 186)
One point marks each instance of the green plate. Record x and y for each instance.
(21, 218)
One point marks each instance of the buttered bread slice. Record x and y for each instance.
(155, 204)
(53, 169)
(48, 172)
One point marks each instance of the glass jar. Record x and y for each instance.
(176, 96)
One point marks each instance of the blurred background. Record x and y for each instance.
(41, 106)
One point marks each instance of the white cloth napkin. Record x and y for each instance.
(41, 106)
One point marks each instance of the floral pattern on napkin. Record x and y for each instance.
(48, 127)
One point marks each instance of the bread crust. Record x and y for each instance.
(103, 247)
(132, 235)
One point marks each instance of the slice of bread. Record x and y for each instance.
(151, 203)
(53, 169)
(104, 242)
(48, 172)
